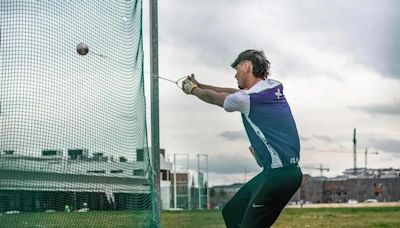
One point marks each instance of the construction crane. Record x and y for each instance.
(321, 168)
(366, 160)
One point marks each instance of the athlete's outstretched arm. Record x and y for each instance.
(210, 87)
(210, 96)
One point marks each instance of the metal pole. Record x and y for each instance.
(154, 98)
(175, 198)
(320, 169)
(188, 176)
(299, 196)
(354, 152)
(198, 180)
(201, 182)
(366, 152)
(208, 183)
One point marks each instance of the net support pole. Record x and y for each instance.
(154, 100)
(175, 198)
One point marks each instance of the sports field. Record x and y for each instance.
(291, 217)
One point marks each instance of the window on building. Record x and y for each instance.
(8, 152)
(96, 171)
(138, 172)
(117, 171)
(139, 155)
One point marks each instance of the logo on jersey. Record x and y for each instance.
(278, 94)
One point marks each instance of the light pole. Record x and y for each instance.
(198, 179)
(200, 184)
(208, 183)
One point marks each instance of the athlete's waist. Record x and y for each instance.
(284, 167)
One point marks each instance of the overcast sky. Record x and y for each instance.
(338, 62)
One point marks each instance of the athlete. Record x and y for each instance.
(273, 136)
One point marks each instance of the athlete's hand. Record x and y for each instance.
(193, 79)
(188, 86)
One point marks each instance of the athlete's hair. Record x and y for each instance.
(261, 65)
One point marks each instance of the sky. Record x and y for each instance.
(337, 60)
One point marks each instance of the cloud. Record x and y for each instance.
(387, 60)
(308, 148)
(386, 144)
(323, 138)
(376, 109)
(202, 29)
(233, 163)
(368, 35)
(302, 138)
(233, 135)
(310, 39)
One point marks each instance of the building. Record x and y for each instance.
(165, 185)
(380, 184)
(187, 195)
(53, 181)
(221, 194)
(183, 196)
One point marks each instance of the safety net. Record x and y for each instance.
(73, 142)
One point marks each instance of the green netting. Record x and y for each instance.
(73, 127)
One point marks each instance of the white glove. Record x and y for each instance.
(188, 86)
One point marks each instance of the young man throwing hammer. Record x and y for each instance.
(272, 133)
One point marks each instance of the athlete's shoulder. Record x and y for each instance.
(270, 91)
(239, 101)
(264, 85)
(272, 83)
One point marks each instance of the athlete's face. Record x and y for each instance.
(241, 75)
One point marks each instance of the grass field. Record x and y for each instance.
(291, 217)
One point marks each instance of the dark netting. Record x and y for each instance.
(72, 115)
